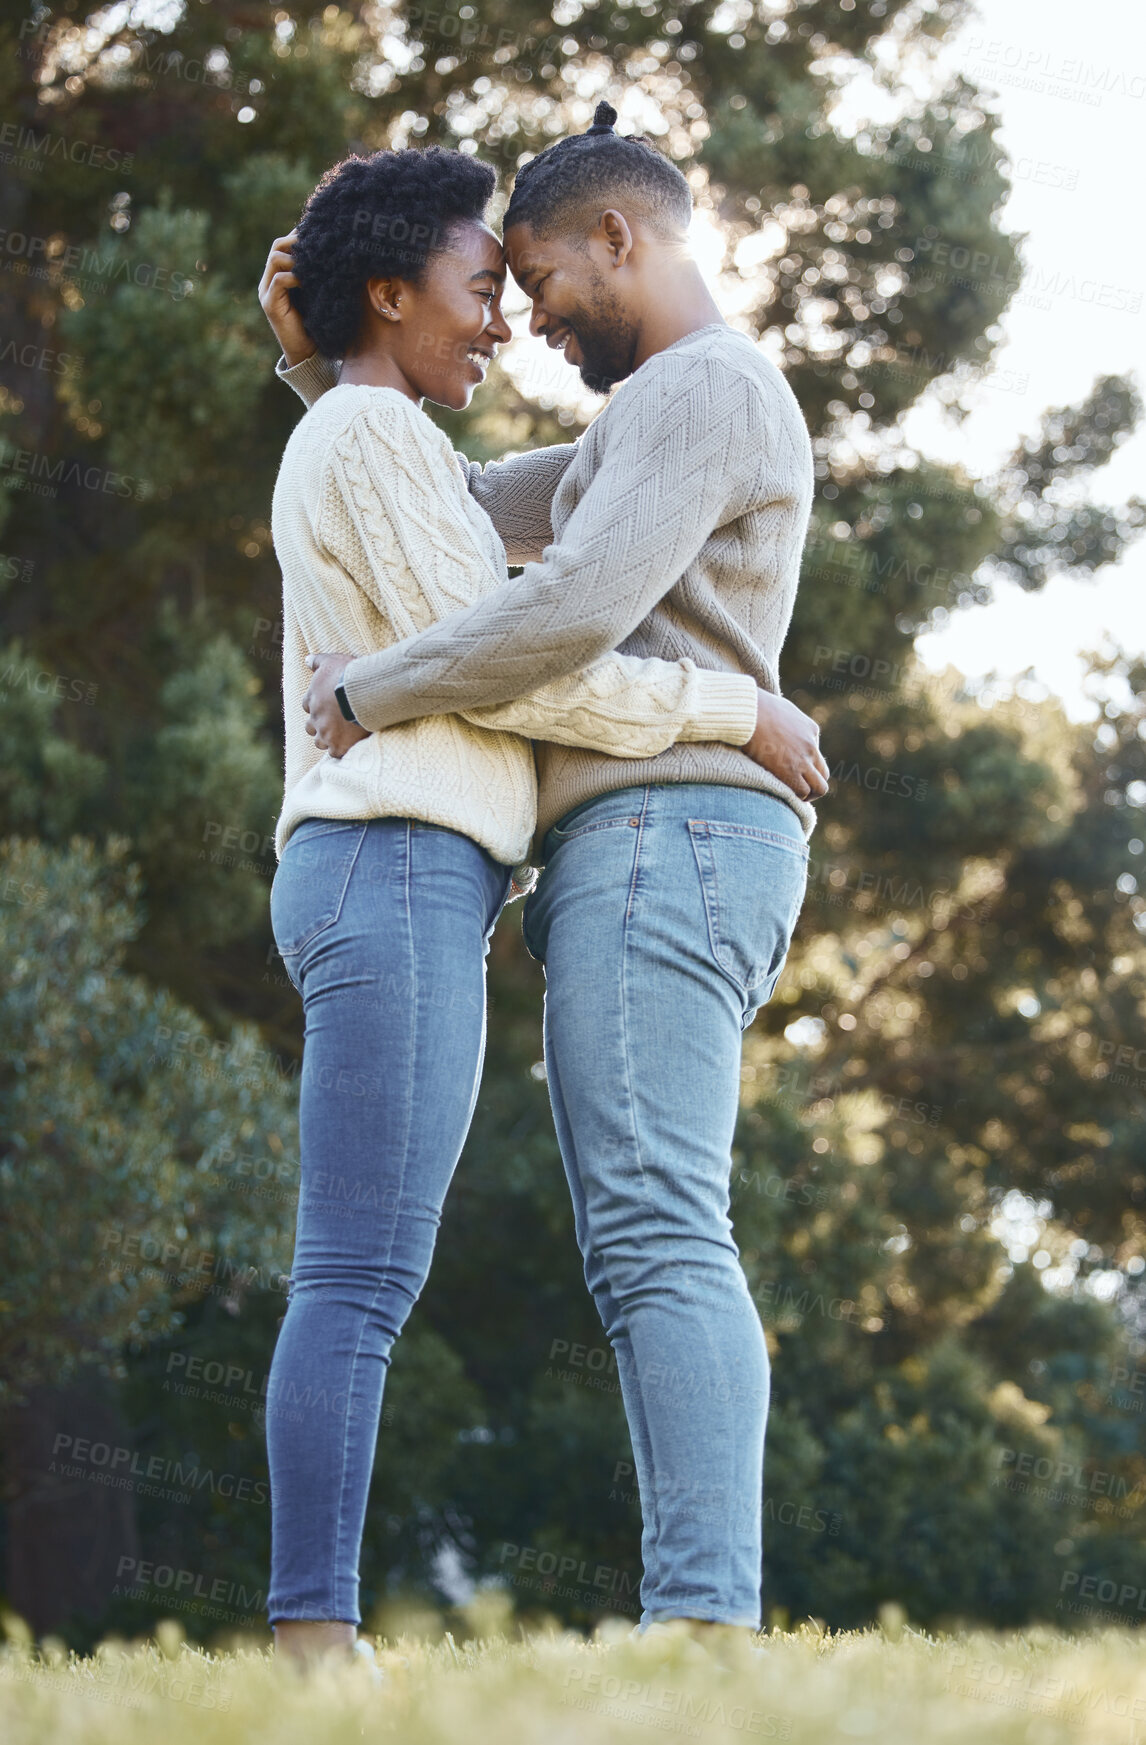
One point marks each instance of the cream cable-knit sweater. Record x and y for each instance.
(377, 537)
(673, 527)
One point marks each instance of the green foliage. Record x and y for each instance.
(1047, 526)
(144, 346)
(969, 965)
(46, 780)
(205, 789)
(195, 780)
(269, 183)
(118, 1109)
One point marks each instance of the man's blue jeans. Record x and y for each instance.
(384, 928)
(663, 917)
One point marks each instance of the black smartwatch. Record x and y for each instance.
(344, 704)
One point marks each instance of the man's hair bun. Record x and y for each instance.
(563, 190)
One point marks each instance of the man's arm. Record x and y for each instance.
(675, 465)
(515, 493)
(785, 740)
(383, 491)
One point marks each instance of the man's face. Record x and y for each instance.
(575, 308)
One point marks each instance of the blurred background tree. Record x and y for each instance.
(938, 1189)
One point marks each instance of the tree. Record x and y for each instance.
(965, 995)
(126, 1128)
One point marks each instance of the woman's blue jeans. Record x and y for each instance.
(384, 927)
(663, 917)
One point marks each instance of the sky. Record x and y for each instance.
(1070, 86)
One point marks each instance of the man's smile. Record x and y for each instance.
(564, 339)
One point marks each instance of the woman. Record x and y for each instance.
(396, 858)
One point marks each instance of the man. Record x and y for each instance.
(669, 888)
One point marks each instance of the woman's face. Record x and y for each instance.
(450, 325)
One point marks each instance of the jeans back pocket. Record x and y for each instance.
(311, 882)
(752, 882)
(581, 822)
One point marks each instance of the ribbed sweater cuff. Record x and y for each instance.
(309, 379)
(726, 708)
(377, 687)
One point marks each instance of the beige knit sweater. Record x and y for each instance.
(377, 537)
(673, 527)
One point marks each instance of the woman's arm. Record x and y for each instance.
(310, 377)
(631, 707)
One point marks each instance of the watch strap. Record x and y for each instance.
(344, 703)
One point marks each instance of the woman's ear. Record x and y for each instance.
(385, 297)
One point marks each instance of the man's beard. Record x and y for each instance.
(607, 338)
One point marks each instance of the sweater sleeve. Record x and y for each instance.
(630, 707)
(516, 494)
(310, 379)
(389, 520)
(678, 457)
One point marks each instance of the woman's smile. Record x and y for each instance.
(480, 360)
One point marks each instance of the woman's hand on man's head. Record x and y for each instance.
(274, 298)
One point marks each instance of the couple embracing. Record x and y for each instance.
(611, 716)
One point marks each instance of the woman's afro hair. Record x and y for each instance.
(376, 217)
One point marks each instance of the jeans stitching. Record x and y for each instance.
(491, 924)
(332, 828)
(699, 829)
(656, 1523)
(753, 994)
(586, 829)
(774, 838)
(365, 1319)
(625, 1021)
(636, 856)
(324, 926)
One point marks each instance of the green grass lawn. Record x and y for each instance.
(896, 1684)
